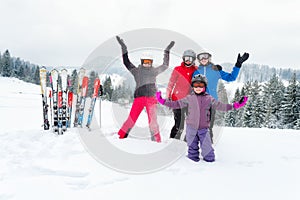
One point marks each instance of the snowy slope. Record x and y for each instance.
(37, 164)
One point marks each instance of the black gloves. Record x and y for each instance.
(169, 46)
(217, 67)
(241, 59)
(123, 45)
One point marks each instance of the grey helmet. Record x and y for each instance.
(190, 53)
(204, 54)
(200, 79)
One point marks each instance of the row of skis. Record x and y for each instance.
(60, 99)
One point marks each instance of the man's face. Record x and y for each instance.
(188, 60)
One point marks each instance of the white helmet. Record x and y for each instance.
(204, 54)
(147, 56)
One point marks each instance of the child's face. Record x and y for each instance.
(199, 87)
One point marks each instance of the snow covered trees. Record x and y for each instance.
(270, 105)
(15, 67)
(6, 65)
(290, 107)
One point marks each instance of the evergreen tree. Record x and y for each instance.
(273, 94)
(257, 117)
(27, 73)
(21, 73)
(246, 112)
(36, 78)
(117, 94)
(290, 109)
(222, 97)
(92, 78)
(231, 116)
(6, 64)
(17, 66)
(107, 88)
(222, 93)
(32, 74)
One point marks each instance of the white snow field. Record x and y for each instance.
(37, 164)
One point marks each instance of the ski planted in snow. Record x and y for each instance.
(43, 81)
(93, 102)
(84, 90)
(69, 104)
(64, 87)
(60, 111)
(79, 97)
(54, 98)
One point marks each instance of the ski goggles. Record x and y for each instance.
(203, 56)
(188, 59)
(198, 85)
(147, 61)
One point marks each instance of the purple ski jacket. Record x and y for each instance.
(198, 106)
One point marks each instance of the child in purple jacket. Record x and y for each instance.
(198, 119)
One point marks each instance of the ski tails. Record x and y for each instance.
(43, 81)
(60, 111)
(93, 102)
(69, 108)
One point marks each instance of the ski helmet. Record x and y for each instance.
(200, 79)
(189, 53)
(147, 56)
(204, 55)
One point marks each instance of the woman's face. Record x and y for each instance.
(147, 63)
(203, 61)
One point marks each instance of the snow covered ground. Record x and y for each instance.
(37, 164)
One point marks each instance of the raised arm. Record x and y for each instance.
(165, 64)
(225, 107)
(235, 71)
(126, 60)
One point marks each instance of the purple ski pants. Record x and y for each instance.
(193, 137)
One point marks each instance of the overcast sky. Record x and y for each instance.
(65, 32)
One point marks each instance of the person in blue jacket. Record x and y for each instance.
(214, 73)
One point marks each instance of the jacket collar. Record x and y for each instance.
(208, 65)
(183, 65)
(202, 94)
